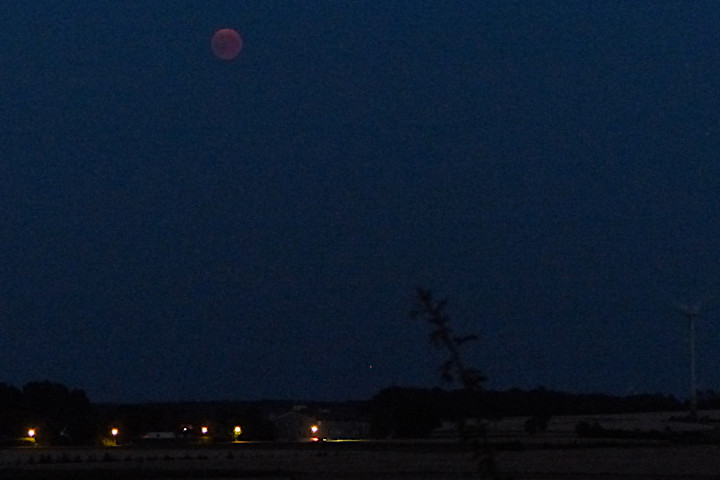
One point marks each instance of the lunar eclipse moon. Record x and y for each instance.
(226, 44)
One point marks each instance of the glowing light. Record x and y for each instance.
(314, 429)
(31, 433)
(114, 432)
(204, 430)
(237, 430)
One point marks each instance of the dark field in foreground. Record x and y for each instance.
(354, 461)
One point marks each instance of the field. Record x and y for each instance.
(392, 462)
(555, 453)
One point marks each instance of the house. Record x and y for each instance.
(303, 423)
(295, 424)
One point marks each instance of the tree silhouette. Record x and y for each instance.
(442, 336)
(454, 369)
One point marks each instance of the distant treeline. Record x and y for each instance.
(65, 416)
(58, 414)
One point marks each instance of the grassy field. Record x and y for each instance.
(392, 462)
(323, 461)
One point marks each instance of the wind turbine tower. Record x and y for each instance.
(691, 313)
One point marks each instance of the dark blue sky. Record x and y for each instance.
(177, 227)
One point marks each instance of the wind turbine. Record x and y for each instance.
(691, 312)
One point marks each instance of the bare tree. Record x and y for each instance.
(442, 336)
(454, 369)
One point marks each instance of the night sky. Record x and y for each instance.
(178, 227)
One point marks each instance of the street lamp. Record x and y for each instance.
(115, 432)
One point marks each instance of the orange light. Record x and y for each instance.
(31, 433)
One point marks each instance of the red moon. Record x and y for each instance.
(226, 43)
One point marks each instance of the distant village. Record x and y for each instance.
(47, 413)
